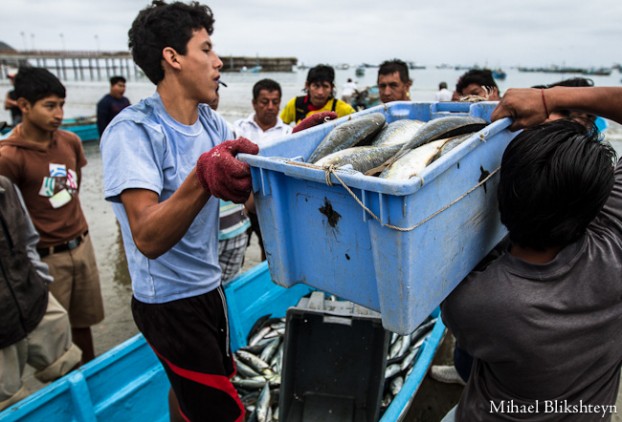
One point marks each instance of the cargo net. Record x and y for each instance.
(330, 170)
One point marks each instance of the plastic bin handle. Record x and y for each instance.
(498, 126)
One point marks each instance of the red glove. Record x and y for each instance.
(314, 120)
(224, 176)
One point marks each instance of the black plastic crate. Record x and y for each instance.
(334, 362)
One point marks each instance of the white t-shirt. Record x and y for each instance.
(249, 129)
(443, 95)
(348, 88)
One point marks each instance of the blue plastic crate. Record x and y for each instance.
(319, 235)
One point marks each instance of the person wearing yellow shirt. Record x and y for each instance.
(320, 89)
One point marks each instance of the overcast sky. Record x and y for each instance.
(458, 32)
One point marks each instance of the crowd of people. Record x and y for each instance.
(536, 321)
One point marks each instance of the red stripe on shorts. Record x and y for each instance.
(219, 382)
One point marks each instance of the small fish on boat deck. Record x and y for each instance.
(258, 386)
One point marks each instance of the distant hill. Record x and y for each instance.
(5, 47)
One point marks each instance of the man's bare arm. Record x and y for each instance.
(157, 226)
(528, 106)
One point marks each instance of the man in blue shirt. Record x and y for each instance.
(168, 207)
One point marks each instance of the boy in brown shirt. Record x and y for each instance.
(45, 163)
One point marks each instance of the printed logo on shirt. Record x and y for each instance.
(58, 170)
(47, 187)
(61, 198)
(72, 180)
(60, 186)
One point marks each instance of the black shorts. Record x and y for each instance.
(191, 338)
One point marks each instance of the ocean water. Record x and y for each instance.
(235, 103)
(236, 98)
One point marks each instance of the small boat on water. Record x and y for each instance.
(85, 127)
(598, 71)
(499, 74)
(415, 66)
(360, 71)
(254, 69)
(128, 382)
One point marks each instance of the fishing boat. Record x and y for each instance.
(360, 71)
(415, 66)
(84, 127)
(598, 71)
(128, 382)
(254, 69)
(499, 74)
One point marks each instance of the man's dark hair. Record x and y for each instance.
(35, 83)
(555, 178)
(267, 84)
(572, 82)
(163, 25)
(116, 79)
(321, 73)
(389, 67)
(482, 77)
(442, 85)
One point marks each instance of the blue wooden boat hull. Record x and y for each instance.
(128, 383)
(86, 132)
(499, 75)
(86, 129)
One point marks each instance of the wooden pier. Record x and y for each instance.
(73, 65)
(267, 64)
(101, 65)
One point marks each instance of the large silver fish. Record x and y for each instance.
(361, 158)
(419, 158)
(413, 162)
(443, 127)
(348, 134)
(451, 144)
(398, 132)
